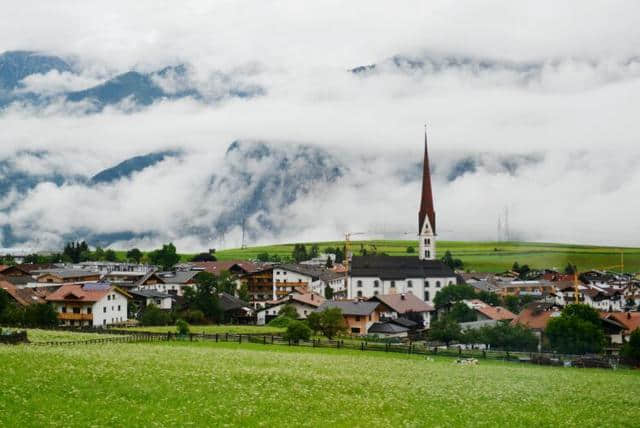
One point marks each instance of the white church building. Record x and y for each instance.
(422, 276)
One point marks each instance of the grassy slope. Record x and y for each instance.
(206, 384)
(482, 256)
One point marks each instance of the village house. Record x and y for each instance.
(304, 304)
(172, 283)
(358, 315)
(393, 328)
(144, 298)
(629, 320)
(289, 278)
(532, 288)
(487, 312)
(93, 304)
(21, 296)
(234, 309)
(66, 276)
(234, 267)
(406, 306)
(259, 286)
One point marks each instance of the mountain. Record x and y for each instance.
(16, 65)
(141, 89)
(127, 168)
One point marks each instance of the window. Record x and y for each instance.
(89, 310)
(376, 283)
(375, 293)
(437, 284)
(426, 283)
(426, 296)
(76, 310)
(357, 318)
(359, 293)
(393, 284)
(104, 322)
(450, 283)
(426, 254)
(426, 241)
(355, 329)
(305, 312)
(118, 307)
(104, 310)
(63, 310)
(409, 283)
(359, 283)
(109, 297)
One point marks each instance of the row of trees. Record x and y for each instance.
(35, 315)
(329, 322)
(446, 298)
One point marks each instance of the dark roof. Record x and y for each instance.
(149, 293)
(399, 267)
(17, 280)
(403, 303)
(387, 328)
(404, 322)
(350, 307)
(312, 271)
(230, 303)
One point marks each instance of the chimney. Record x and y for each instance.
(311, 296)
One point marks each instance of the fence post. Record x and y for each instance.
(362, 346)
(484, 354)
(289, 342)
(216, 337)
(460, 351)
(239, 338)
(272, 339)
(264, 340)
(226, 337)
(191, 337)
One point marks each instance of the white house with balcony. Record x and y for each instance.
(90, 305)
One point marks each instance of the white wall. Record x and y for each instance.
(417, 286)
(283, 275)
(111, 309)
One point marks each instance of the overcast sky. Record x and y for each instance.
(578, 114)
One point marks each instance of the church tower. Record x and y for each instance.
(427, 215)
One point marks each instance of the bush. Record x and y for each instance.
(631, 350)
(192, 316)
(297, 330)
(289, 310)
(281, 321)
(182, 327)
(40, 315)
(152, 315)
(576, 331)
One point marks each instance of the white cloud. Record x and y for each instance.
(578, 114)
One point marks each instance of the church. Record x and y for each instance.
(422, 276)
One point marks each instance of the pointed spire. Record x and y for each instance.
(426, 202)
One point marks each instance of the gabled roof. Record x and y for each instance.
(404, 322)
(349, 307)
(630, 320)
(497, 313)
(221, 266)
(311, 299)
(178, 277)
(399, 267)
(230, 303)
(403, 303)
(24, 296)
(85, 293)
(536, 316)
(67, 273)
(313, 271)
(149, 293)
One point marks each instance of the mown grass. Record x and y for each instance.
(213, 329)
(482, 256)
(208, 384)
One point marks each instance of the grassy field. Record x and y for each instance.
(213, 329)
(39, 336)
(483, 256)
(208, 384)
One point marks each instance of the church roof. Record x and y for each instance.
(399, 267)
(426, 202)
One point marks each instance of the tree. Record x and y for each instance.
(226, 283)
(204, 296)
(315, 251)
(263, 257)
(110, 256)
(512, 303)
(445, 330)
(204, 257)
(576, 331)
(243, 292)
(515, 267)
(134, 255)
(462, 313)
(297, 330)
(288, 310)
(410, 250)
(329, 321)
(40, 315)
(488, 297)
(329, 263)
(76, 252)
(570, 269)
(631, 350)
(5, 301)
(182, 327)
(453, 293)
(328, 292)
(299, 253)
(451, 262)
(166, 257)
(153, 315)
(503, 336)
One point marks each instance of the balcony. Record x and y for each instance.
(70, 316)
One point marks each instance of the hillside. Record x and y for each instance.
(482, 256)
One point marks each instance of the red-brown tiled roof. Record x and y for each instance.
(496, 313)
(24, 296)
(221, 266)
(311, 299)
(77, 292)
(535, 318)
(630, 320)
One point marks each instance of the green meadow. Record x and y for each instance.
(209, 384)
(213, 329)
(482, 256)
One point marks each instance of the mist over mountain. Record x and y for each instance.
(33, 79)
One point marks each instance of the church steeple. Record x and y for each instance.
(427, 215)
